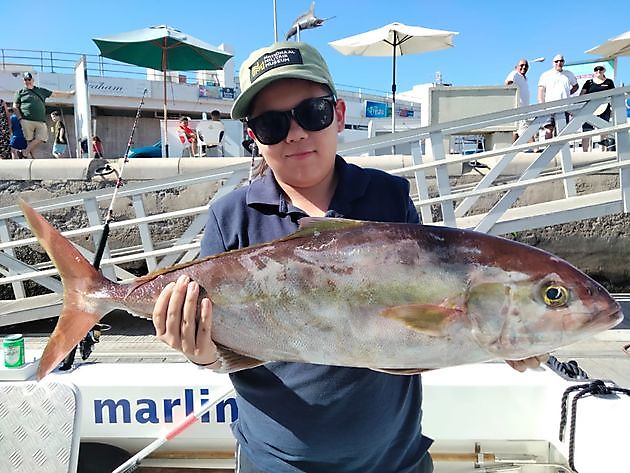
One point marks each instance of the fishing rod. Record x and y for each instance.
(87, 344)
(134, 462)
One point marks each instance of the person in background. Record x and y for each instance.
(300, 417)
(30, 106)
(17, 142)
(215, 115)
(217, 150)
(97, 147)
(518, 77)
(598, 83)
(60, 139)
(5, 131)
(555, 84)
(187, 135)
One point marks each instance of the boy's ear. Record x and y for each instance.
(340, 112)
(250, 133)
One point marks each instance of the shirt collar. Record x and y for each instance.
(352, 182)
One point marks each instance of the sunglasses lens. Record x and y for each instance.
(313, 114)
(270, 127)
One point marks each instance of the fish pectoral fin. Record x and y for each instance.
(401, 371)
(232, 361)
(429, 319)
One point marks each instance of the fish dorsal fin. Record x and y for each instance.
(314, 225)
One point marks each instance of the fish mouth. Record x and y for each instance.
(607, 318)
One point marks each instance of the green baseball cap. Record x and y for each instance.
(284, 60)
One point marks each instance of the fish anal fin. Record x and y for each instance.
(232, 361)
(401, 371)
(430, 319)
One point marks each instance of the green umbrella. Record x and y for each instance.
(165, 49)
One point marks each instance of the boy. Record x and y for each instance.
(300, 417)
(58, 130)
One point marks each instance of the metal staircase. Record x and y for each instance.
(491, 201)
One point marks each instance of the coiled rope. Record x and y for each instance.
(595, 388)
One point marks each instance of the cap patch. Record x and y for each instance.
(281, 57)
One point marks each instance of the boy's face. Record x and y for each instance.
(304, 158)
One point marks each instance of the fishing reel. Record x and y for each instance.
(86, 346)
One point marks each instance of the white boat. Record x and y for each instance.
(484, 418)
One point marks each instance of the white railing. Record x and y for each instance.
(441, 204)
(440, 199)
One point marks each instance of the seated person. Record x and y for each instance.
(210, 133)
(187, 135)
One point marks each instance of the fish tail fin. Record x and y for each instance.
(79, 277)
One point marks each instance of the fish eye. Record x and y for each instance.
(555, 295)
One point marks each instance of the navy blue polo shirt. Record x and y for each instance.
(295, 417)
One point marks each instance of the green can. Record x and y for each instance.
(13, 347)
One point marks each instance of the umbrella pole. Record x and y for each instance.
(165, 122)
(394, 91)
(164, 90)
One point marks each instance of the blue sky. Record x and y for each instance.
(493, 34)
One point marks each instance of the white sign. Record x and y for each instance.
(82, 115)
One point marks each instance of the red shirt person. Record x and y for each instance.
(187, 135)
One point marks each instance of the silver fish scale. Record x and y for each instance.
(37, 421)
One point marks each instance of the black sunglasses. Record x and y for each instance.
(312, 114)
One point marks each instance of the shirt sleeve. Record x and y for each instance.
(412, 213)
(44, 92)
(212, 242)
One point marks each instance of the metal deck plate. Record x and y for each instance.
(37, 423)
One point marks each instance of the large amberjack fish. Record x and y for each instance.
(391, 297)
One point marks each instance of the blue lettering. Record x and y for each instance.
(206, 417)
(168, 408)
(189, 401)
(113, 407)
(146, 410)
(148, 413)
(221, 410)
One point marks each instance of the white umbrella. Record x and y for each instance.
(395, 39)
(617, 46)
(613, 48)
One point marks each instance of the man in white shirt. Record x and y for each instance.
(555, 84)
(519, 79)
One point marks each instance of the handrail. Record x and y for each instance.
(431, 193)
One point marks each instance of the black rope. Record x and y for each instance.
(594, 388)
(568, 370)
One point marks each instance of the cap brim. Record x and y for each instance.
(243, 101)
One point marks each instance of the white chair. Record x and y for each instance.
(209, 137)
